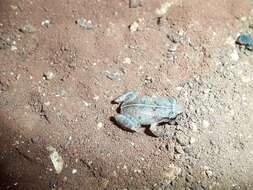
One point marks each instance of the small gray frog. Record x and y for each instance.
(138, 110)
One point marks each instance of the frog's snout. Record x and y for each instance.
(179, 108)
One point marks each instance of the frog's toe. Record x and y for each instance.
(127, 122)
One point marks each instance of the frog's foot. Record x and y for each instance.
(128, 122)
(153, 129)
(127, 96)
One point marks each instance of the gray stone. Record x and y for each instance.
(28, 29)
(49, 75)
(86, 24)
(179, 149)
(182, 139)
(134, 3)
(113, 75)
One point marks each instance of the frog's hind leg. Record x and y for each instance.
(127, 96)
(127, 122)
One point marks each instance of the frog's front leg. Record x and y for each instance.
(127, 96)
(128, 122)
(153, 128)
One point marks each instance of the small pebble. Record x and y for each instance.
(163, 9)
(192, 140)
(100, 125)
(205, 124)
(179, 149)
(127, 60)
(46, 23)
(172, 172)
(134, 27)
(74, 171)
(86, 24)
(49, 75)
(182, 139)
(13, 48)
(134, 3)
(209, 173)
(234, 55)
(113, 75)
(28, 29)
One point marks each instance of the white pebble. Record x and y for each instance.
(205, 123)
(74, 171)
(234, 55)
(134, 27)
(100, 125)
(192, 140)
(127, 60)
(13, 48)
(49, 75)
(163, 9)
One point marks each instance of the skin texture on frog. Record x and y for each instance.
(138, 110)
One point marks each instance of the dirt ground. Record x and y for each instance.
(58, 78)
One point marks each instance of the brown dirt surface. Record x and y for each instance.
(57, 82)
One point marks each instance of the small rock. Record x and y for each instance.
(163, 9)
(28, 29)
(14, 7)
(113, 75)
(192, 140)
(104, 183)
(205, 124)
(13, 48)
(134, 3)
(100, 125)
(46, 23)
(49, 75)
(127, 60)
(174, 37)
(74, 171)
(189, 178)
(86, 24)
(172, 172)
(234, 55)
(134, 27)
(56, 159)
(137, 171)
(148, 79)
(179, 149)
(65, 179)
(209, 173)
(61, 93)
(182, 139)
(172, 48)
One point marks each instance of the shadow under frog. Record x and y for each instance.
(136, 111)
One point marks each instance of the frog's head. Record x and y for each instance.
(177, 108)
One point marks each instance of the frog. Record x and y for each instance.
(152, 111)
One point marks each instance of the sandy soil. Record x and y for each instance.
(57, 81)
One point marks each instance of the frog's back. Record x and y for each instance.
(147, 110)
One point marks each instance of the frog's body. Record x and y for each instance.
(136, 111)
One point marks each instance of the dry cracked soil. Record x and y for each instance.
(63, 62)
